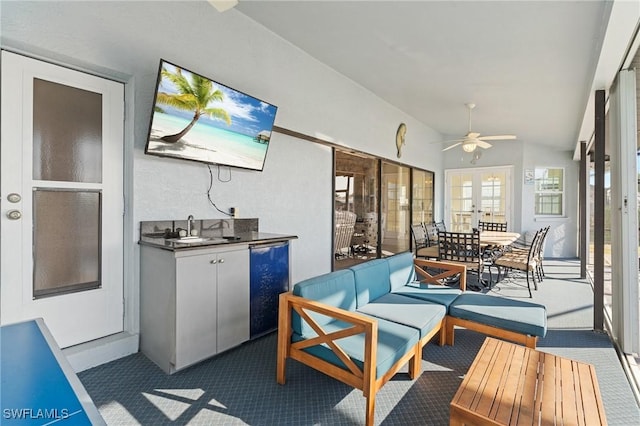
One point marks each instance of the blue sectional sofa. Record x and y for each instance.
(363, 324)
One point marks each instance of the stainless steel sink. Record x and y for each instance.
(191, 240)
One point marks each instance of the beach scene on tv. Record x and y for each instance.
(195, 118)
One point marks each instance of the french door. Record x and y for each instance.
(62, 199)
(474, 195)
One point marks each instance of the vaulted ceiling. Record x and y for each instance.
(528, 65)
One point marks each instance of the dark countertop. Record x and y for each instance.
(251, 237)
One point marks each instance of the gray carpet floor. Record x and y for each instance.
(239, 387)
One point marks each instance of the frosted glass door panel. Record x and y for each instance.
(66, 238)
(67, 133)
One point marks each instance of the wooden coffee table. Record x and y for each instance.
(509, 384)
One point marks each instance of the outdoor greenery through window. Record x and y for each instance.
(549, 192)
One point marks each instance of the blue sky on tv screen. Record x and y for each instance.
(249, 115)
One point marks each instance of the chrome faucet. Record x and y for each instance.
(189, 225)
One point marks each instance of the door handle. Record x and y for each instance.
(14, 214)
(221, 261)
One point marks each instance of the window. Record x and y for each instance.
(344, 193)
(549, 192)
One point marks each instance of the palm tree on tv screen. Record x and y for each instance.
(194, 94)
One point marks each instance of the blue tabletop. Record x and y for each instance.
(36, 387)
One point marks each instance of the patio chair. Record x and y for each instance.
(463, 249)
(492, 226)
(540, 254)
(522, 260)
(440, 226)
(421, 244)
(523, 248)
(432, 233)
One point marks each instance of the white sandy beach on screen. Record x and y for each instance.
(213, 149)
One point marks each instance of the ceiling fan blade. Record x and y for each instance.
(452, 146)
(483, 144)
(497, 138)
(472, 135)
(451, 140)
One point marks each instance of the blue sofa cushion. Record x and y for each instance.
(401, 269)
(335, 288)
(514, 315)
(394, 341)
(431, 292)
(416, 313)
(372, 280)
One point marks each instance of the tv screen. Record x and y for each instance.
(196, 118)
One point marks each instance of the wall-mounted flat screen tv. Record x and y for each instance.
(196, 118)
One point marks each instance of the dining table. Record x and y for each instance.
(498, 238)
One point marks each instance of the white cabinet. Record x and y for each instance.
(193, 303)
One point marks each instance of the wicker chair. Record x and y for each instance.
(345, 224)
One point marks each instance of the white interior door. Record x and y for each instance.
(474, 195)
(62, 199)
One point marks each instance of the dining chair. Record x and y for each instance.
(421, 245)
(523, 260)
(540, 253)
(492, 226)
(464, 249)
(523, 246)
(432, 233)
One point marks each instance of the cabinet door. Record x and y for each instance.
(196, 302)
(233, 298)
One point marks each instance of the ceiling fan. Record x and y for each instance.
(473, 140)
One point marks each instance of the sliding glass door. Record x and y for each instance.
(422, 196)
(396, 215)
(375, 203)
(356, 208)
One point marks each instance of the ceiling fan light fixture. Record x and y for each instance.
(223, 5)
(469, 146)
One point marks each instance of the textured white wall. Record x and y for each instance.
(125, 41)
(562, 240)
